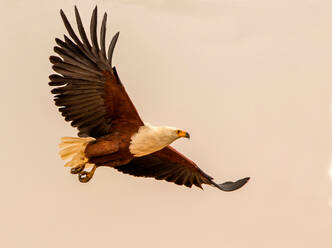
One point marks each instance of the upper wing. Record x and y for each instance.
(168, 164)
(90, 93)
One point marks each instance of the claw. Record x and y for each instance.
(85, 176)
(77, 169)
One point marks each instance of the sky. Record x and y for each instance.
(249, 80)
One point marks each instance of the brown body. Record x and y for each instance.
(113, 149)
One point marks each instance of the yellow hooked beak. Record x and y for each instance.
(184, 134)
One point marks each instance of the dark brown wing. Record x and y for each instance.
(90, 95)
(168, 164)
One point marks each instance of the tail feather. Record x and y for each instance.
(69, 151)
(74, 148)
(68, 141)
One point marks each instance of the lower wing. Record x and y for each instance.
(168, 164)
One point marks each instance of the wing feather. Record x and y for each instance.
(111, 47)
(81, 29)
(102, 36)
(88, 89)
(93, 31)
(168, 164)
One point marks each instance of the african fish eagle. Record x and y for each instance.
(91, 96)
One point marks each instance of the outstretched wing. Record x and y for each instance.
(90, 95)
(168, 164)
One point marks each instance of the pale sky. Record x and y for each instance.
(251, 82)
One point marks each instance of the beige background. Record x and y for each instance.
(251, 82)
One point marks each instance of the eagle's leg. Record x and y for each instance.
(85, 176)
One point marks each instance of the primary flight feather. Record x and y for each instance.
(91, 96)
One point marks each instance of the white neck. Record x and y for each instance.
(150, 139)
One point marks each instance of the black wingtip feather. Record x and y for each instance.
(55, 59)
(55, 78)
(56, 83)
(93, 29)
(103, 36)
(112, 46)
(81, 29)
(69, 28)
(231, 186)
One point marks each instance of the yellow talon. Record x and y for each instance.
(85, 176)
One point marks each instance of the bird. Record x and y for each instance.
(90, 95)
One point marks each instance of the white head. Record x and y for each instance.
(150, 139)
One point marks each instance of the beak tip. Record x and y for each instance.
(188, 135)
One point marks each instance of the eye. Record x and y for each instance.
(178, 131)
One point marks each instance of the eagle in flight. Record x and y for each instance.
(90, 95)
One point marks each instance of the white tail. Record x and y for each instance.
(74, 148)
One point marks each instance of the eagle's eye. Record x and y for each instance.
(178, 132)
